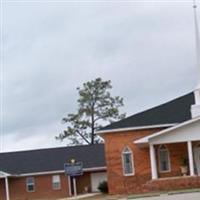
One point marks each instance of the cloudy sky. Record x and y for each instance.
(48, 48)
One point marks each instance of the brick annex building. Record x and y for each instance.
(39, 174)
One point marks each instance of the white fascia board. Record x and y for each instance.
(4, 174)
(94, 169)
(142, 140)
(58, 172)
(41, 173)
(146, 139)
(135, 128)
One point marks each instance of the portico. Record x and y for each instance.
(188, 135)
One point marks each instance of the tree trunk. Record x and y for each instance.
(92, 122)
(92, 129)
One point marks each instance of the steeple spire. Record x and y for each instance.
(195, 109)
(197, 36)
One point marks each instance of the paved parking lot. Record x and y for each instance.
(186, 196)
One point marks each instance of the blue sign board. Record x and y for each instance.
(73, 169)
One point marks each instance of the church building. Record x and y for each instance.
(158, 149)
(154, 150)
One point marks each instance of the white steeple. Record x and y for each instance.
(197, 36)
(195, 109)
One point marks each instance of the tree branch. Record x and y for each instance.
(79, 133)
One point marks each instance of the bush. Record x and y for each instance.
(103, 187)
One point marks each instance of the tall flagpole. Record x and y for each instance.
(197, 41)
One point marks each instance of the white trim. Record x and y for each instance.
(94, 169)
(132, 162)
(135, 128)
(58, 172)
(4, 174)
(131, 174)
(41, 173)
(147, 138)
(168, 157)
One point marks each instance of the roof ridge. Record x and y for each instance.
(50, 148)
(168, 101)
(147, 111)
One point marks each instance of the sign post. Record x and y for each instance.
(74, 186)
(74, 169)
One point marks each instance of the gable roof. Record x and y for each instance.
(146, 139)
(172, 112)
(53, 159)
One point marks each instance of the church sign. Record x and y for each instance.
(74, 168)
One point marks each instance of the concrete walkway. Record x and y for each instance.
(83, 196)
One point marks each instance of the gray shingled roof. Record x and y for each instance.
(175, 111)
(51, 159)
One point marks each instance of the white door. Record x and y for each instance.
(197, 159)
(97, 178)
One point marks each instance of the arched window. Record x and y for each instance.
(164, 161)
(127, 161)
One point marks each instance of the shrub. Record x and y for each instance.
(103, 187)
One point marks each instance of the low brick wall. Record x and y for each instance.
(175, 183)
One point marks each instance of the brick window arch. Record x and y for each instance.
(164, 159)
(127, 162)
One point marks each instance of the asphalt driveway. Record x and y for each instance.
(170, 196)
(186, 196)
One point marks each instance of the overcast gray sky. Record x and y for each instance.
(48, 48)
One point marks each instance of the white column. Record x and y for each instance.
(154, 173)
(7, 188)
(74, 186)
(190, 157)
(69, 185)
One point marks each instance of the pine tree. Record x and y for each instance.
(95, 106)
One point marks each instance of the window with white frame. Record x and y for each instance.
(127, 160)
(30, 184)
(164, 161)
(56, 183)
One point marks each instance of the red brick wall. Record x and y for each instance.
(2, 189)
(114, 144)
(43, 188)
